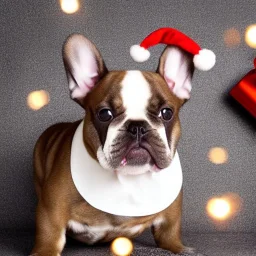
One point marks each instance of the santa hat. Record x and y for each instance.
(203, 59)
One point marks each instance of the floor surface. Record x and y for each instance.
(16, 243)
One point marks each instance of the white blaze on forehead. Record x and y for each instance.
(135, 94)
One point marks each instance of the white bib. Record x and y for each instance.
(124, 195)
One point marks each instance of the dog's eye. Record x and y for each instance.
(166, 114)
(105, 115)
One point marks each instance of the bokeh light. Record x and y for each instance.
(250, 36)
(122, 246)
(218, 208)
(38, 99)
(224, 207)
(231, 37)
(69, 6)
(218, 155)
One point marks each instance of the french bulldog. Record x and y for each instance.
(131, 127)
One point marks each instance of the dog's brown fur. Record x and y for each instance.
(59, 201)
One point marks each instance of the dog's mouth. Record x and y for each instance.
(140, 154)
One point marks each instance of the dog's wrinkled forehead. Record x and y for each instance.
(132, 92)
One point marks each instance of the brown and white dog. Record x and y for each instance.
(131, 116)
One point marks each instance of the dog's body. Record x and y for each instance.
(131, 127)
(81, 220)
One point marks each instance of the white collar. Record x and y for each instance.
(124, 195)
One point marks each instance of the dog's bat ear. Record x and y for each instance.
(176, 67)
(84, 65)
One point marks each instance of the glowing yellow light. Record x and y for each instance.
(218, 155)
(219, 208)
(37, 99)
(122, 246)
(250, 36)
(69, 6)
(224, 207)
(232, 37)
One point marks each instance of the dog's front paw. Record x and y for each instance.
(188, 250)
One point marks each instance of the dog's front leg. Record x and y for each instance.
(50, 232)
(167, 228)
(168, 237)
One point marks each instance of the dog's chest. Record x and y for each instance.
(101, 233)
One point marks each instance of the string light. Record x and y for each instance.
(250, 36)
(224, 207)
(231, 37)
(69, 6)
(218, 155)
(38, 99)
(122, 246)
(218, 208)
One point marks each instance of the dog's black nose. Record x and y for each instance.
(137, 128)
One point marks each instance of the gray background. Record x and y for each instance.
(32, 33)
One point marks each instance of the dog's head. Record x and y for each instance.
(132, 117)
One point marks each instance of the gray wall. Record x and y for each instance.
(32, 33)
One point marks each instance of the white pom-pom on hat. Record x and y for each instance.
(204, 59)
(139, 54)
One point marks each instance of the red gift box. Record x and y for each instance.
(245, 91)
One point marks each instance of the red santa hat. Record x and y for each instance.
(204, 59)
